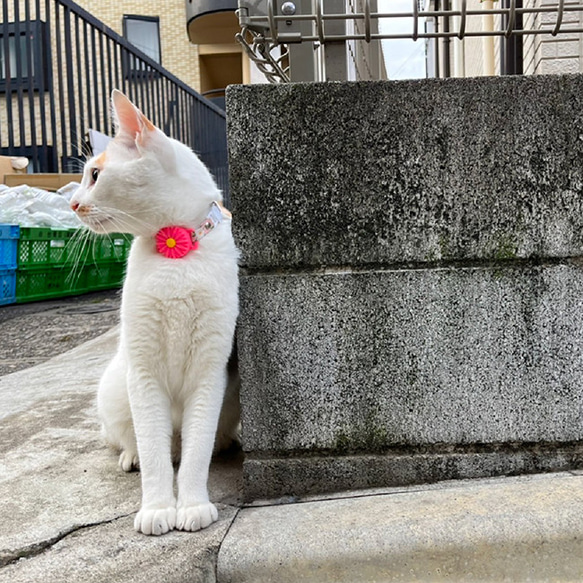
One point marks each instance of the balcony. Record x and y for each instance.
(211, 21)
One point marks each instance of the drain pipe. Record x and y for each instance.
(446, 41)
(488, 41)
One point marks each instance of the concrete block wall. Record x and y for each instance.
(412, 289)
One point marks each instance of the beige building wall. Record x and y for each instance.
(550, 55)
(365, 60)
(179, 56)
(471, 48)
(466, 55)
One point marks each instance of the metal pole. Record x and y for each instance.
(302, 62)
(459, 52)
(335, 52)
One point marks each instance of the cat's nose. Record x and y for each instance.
(74, 205)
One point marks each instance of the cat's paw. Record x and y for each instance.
(155, 521)
(128, 461)
(196, 516)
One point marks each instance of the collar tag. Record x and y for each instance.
(216, 215)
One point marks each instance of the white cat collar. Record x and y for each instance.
(176, 242)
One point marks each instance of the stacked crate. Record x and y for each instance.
(8, 255)
(38, 263)
(62, 262)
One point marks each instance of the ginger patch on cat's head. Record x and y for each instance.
(96, 167)
(99, 162)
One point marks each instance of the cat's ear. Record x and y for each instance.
(132, 125)
(136, 132)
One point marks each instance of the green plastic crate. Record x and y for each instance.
(114, 247)
(46, 282)
(40, 246)
(43, 283)
(55, 263)
(104, 275)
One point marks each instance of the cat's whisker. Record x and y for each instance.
(119, 222)
(83, 146)
(82, 257)
(74, 247)
(78, 243)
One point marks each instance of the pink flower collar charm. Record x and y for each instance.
(175, 242)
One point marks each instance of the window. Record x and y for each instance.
(22, 45)
(144, 33)
(511, 57)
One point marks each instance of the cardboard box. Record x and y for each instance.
(44, 181)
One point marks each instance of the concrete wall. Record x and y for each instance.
(412, 294)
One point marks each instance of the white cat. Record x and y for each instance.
(177, 315)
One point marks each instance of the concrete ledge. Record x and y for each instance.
(336, 174)
(274, 477)
(413, 279)
(363, 361)
(523, 529)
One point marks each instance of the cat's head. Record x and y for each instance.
(143, 181)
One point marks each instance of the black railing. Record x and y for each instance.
(58, 66)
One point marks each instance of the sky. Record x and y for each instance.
(404, 58)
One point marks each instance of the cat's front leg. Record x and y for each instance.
(153, 426)
(199, 425)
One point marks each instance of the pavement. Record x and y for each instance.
(67, 510)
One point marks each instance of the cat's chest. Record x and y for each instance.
(164, 279)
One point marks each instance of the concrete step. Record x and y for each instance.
(506, 529)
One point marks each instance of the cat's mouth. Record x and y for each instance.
(99, 224)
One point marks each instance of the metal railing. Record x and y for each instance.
(58, 67)
(270, 27)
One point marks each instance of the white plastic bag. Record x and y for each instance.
(33, 207)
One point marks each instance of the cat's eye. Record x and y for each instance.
(94, 174)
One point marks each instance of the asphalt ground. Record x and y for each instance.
(32, 333)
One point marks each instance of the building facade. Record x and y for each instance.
(528, 54)
(60, 61)
(177, 54)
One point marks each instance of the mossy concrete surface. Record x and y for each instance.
(412, 281)
(352, 174)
